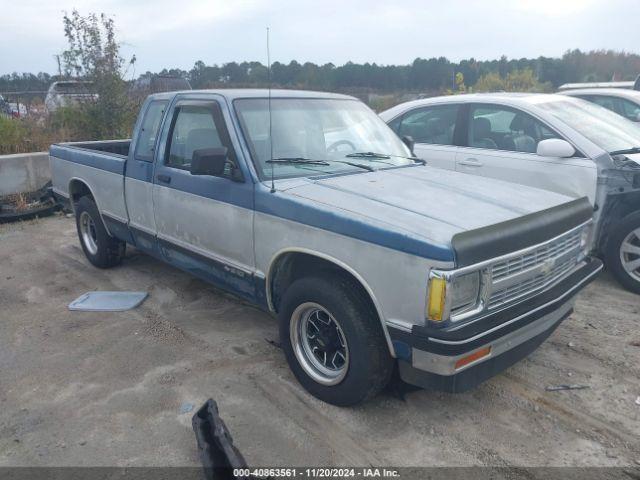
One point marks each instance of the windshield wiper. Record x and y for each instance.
(297, 161)
(308, 161)
(359, 165)
(367, 155)
(374, 155)
(625, 151)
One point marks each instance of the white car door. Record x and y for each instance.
(502, 142)
(432, 128)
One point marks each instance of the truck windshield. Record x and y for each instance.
(325, 132)
(606, 129)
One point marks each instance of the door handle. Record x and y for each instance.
(471, 162)
(163, 178)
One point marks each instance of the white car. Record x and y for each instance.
(69, 93)
(620, 100)
(552, 142)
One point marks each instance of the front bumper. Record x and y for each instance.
(427, 356)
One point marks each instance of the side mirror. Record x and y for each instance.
(555, 148)
(409, 142)
(209, 161)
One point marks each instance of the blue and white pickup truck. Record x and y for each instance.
(309, 206)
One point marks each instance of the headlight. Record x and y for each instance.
(464, 291)
(452, 295)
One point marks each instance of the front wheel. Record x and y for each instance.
(100, 248)
(333, 340)
(623, 252)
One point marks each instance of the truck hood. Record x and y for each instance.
(422, 202)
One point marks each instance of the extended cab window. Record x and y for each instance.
(501, 128)
(195, 127)
(149, 131)
(433, 125)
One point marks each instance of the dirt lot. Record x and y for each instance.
(109, 389)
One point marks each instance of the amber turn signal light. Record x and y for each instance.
(477, 355)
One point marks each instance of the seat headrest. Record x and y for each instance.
(481, 128)
(520, 123)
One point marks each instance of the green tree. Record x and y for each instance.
(94, 55)
(515, 81)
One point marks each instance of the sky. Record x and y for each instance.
(163, 33)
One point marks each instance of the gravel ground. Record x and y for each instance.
(110, 389)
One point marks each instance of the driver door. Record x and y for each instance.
(204, 223)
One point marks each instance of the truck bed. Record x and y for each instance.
(100, 165)
(115, 147)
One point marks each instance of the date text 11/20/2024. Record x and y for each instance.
(366, 472)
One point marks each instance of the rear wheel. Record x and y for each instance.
(623, 252)
(100, 248)
(333, 341)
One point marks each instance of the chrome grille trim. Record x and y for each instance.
(530, 271)
(544, 252)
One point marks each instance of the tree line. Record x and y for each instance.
(422, 75)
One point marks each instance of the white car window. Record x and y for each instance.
(501, 128)
(433, 125)
(603, 127)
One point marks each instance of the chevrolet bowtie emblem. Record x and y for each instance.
(547, 266)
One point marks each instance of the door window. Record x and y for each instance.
(609, 103)
(149, 131)
(432, 125)
(194, 127)
(502, 128)
(630, 110)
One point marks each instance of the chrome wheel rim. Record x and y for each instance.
(630, 254)
(88, 233)
(319, 344)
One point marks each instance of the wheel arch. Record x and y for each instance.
(78, 188)
(285, 267)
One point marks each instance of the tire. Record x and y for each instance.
(362, 368)
(622, 254)
(100, 248)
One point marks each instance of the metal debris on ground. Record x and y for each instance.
(108, 301)
(275, 343)
(638, 401)
(218, 454)
(29, 205)
(556, 388)
(186, 407)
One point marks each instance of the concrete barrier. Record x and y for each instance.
(23, 172)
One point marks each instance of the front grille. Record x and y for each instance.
(557, 247)
(521, 275)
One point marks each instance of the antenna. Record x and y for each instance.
(273, 186)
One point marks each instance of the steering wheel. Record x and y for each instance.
(334, 146)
